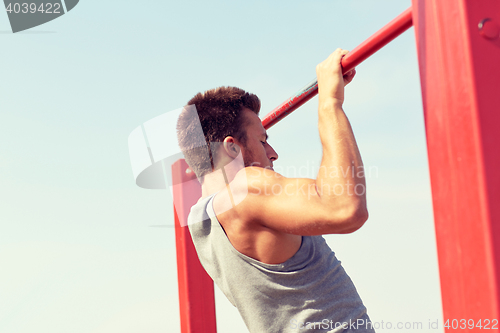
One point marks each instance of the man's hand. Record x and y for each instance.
(331, 82)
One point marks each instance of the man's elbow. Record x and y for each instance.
(354, 218)
(358, 218)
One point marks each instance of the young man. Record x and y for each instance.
(257, 233)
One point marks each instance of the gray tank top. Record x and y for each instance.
(310, 292)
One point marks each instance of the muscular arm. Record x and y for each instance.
(340, 181)
(335, 201)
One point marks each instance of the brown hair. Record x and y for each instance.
(220, 112)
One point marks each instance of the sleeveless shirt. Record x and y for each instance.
(310, 292)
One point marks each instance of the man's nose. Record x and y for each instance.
(271, 153)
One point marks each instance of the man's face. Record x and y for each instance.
(256, 151)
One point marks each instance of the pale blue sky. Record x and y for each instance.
(77, 252)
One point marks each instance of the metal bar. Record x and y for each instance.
(378, 40)
(460, 78)
(196, 288)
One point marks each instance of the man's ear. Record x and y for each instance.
(231, 147)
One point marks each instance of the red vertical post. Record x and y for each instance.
(196, 288)
(459, 55)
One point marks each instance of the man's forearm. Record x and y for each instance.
(340, 181)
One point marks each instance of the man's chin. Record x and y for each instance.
(256, 164)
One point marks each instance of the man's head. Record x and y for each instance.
(256, 150)
(226, 115)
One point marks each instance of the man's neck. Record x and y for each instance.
(218, 180)
(225, 171)
(223, 175)
(213, 183)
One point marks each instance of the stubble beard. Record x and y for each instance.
(248, 159)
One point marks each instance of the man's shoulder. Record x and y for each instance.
(242, 198)
(252, 179)
(248, 185)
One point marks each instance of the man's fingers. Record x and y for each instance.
(341, 53)
(352, 72)
(333, 61)
(349, 76)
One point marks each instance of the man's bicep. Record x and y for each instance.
(291, 205)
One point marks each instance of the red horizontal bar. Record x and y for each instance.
(378, 40)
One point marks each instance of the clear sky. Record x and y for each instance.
(78, 250)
